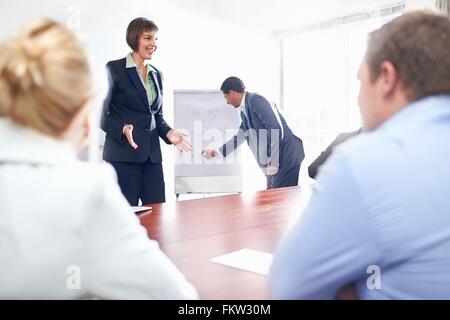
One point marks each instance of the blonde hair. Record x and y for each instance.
(45, 78)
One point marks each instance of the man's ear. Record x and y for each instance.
(388, 78)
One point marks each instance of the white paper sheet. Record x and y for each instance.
(247, 259)
(140, 209)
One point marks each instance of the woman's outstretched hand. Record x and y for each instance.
(179, 140)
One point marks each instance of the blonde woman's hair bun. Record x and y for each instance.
(21, 58)
(44, 76)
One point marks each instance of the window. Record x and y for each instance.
(320, 86)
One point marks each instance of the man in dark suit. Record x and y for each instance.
(278, 152)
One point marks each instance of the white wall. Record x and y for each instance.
(420, 4)
(195, 52)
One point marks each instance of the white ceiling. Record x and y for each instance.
(275, 15)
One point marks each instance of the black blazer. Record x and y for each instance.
(127, 103)
(285, 155)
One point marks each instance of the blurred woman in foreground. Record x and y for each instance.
(65, 229)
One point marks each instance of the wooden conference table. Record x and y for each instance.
(194, 231)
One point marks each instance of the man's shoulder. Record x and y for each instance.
(255, 99)
(254, 95)
(369, 153)
(361, 144)
(342, 137)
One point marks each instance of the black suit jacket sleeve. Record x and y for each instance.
(109, 123)
(161, 124)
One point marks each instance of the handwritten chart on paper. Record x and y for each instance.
(210, 122)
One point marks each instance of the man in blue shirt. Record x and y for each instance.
(379, 218)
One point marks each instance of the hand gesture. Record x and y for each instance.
(128, 132)
(208, 154)
(271, 170)
(179, 140)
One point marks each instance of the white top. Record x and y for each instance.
(66, 232)
(242, 106)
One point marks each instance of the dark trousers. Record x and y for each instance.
(284, 178)
(143, 181)
(291, 158)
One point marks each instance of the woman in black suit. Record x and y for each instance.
(133, 119)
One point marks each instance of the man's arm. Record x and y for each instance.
(234, 142)
(333, 243)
